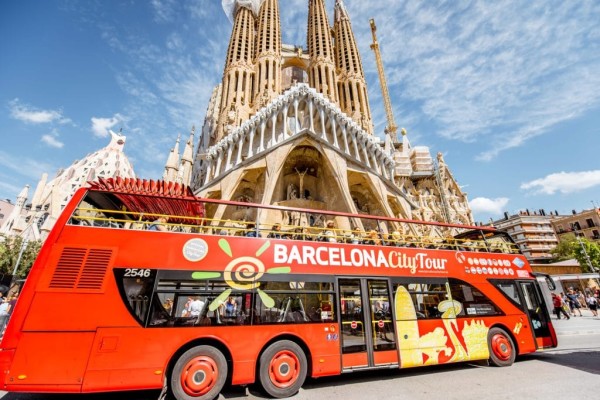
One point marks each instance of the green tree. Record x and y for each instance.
(587, 253)
(565, 250)
(580, 249)
(10, 246)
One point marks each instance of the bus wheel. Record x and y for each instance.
(502, 349)
(199, 374)
(283, 369)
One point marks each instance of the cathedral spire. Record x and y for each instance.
(14, 216)
(352, 87)
(22, 197)
(321, 72)
(238, 76)
(37, 195)
(268, 54)
(187, 160)
(170, 174)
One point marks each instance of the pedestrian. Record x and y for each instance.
(12, 302)
(580, 298)
(574, 303)
(4, 310)
(592, 303)
(558, 303)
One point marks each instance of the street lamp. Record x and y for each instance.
(24, 243)
(585, 254)
(21, 250)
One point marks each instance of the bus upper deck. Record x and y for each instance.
(137, 205)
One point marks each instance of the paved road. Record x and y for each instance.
(570, 371)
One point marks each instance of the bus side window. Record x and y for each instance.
(295, 303)
(473, 301)
(425, 297)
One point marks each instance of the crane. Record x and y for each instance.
(391, 126)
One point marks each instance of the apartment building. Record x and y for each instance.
(585, 223)
(532, 232)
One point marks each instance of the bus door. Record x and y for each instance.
(368, 336)
(539, 318)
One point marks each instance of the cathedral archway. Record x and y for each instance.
(303, 183)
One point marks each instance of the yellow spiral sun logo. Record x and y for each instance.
(243, 273)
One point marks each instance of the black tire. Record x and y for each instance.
(199, 374)
(502, 348)
(282, 369)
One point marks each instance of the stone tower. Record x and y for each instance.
(180, 170)
(321, 71)
(238, 75)
(268, 54)
(292, 126)
(352, 87)
(172, 165)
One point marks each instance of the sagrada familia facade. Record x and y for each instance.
(288, 126)
(292, 126)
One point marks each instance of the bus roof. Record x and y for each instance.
(182, 202)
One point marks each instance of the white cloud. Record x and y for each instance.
(29, 167)
(100, 126)
(164, 10)
(498, 73)
(32, 115)
(51, 139)
(488, 206)
(169, 82)
(8, 191)
(564, 182)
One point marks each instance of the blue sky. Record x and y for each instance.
(508, 91)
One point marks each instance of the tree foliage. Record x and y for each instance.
(588, 253)
(584, 251)
(565, 250)
(10, 247)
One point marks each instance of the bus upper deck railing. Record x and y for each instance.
(119, 219)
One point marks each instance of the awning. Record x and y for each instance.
(154, 197)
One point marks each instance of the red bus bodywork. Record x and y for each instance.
(71, 331)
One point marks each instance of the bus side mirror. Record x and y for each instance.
(550, 283)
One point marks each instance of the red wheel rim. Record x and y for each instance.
(199, 376)
(501, 347)
(284, 369)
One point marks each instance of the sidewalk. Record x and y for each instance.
(584, 325)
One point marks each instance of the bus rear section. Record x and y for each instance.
(100, 322)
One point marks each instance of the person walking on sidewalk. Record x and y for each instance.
(574, 303)
(592, 303)
(558, 303)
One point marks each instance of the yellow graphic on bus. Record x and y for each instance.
(416, 350)
(408, 330)
(518, 327)
(243, 273)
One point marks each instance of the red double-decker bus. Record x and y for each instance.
(141, 285)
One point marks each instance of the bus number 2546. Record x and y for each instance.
(137, 272)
